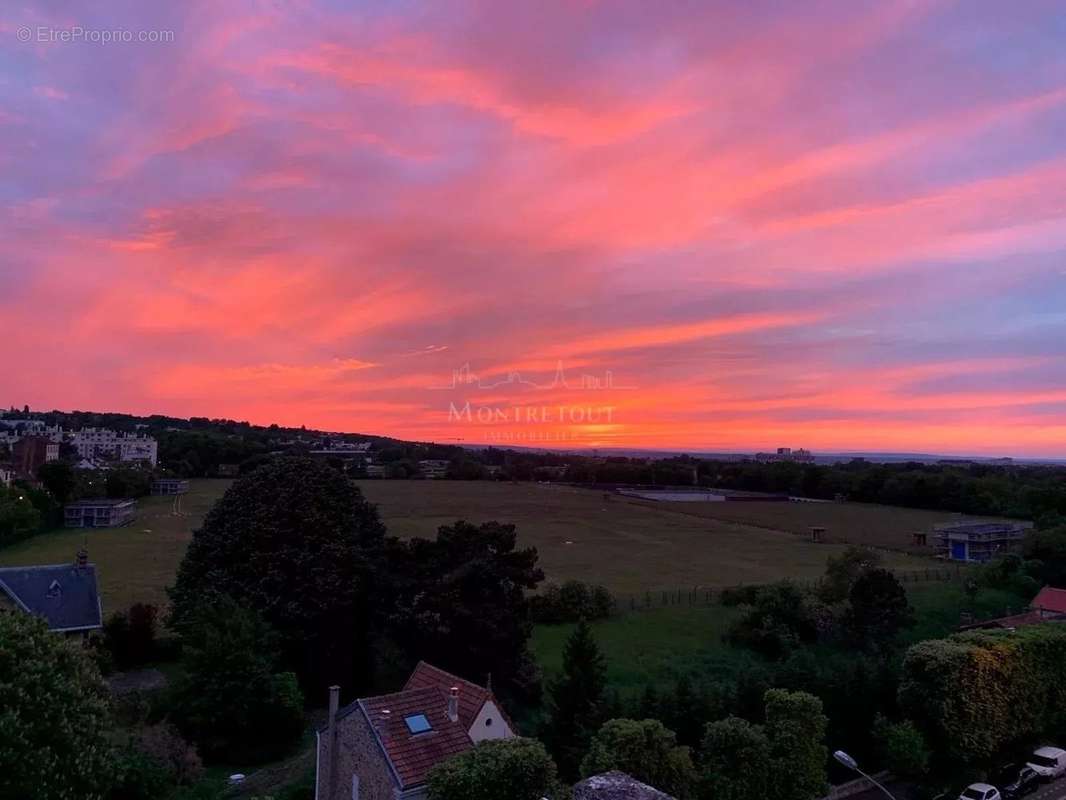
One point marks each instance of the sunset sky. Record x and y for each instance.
(833, 225)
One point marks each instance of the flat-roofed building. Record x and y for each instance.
(101, 513)
(433, 467)
(95, 443)
(169, 486)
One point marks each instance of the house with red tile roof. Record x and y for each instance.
(383, 748)
(1049, 602)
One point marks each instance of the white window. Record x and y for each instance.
(355, 787)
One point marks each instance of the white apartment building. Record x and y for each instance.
(93, 443)
(11, 430)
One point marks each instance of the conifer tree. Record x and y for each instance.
(576, 700)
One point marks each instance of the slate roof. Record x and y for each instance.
(616, 786)
(1050, 599)
(64, 594)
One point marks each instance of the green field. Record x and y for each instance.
(656, 646)
(133, 563)
(629, 547)
(888, 527)
(660, 645)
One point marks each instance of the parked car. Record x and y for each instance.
(981, 791)
(1027, 780)
(1048, 762)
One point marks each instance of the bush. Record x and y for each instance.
(902, 748)
(130, 636)
(645, 750)
(571, 602)
(740, 595)
(233, 700)
(780, 619)
(19, 516)
(163, 744)
(516, 769)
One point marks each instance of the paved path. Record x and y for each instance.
(1052, 791)
(1056, 790)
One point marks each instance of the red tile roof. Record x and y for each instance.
(1049, 599)
(471, 696)
(413, 755)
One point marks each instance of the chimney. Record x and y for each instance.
(453, 704)
(327, 747)
(334, 703)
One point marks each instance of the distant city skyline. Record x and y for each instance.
(835, 226)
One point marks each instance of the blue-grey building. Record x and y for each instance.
(103, 513)
(64, 595)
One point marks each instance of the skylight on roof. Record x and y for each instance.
(417, 723)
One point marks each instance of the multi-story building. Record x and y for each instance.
(433, 467)
(980, 541)
(170, 486)
(28, 453)
(102, 443)
(30, 427)
(786, 454)
(102, 513)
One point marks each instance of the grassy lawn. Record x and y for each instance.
(659, 645)
(656, 646)
(136, 562)
(628, 546)
(889, 527)
(939, 607)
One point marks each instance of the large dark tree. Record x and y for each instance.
(233, 700)
(735, 761)
(878, 610)
(58, 478)
(296, 542)
(461, 603)
(576, 700)
(1048, 547)
(54, 720)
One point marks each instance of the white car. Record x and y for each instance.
(1048, 762)
(981, 791)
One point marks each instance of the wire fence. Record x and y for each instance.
(712, 595)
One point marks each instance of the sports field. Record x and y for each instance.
(133, 563)
(888, 527)
(628, 546)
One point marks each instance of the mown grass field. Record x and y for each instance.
(135, 563)
(628, 547)
(888, 527)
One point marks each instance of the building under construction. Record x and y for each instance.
(980, 541)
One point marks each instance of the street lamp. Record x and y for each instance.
(851, 764)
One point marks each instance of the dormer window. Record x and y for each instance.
(417, 723)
